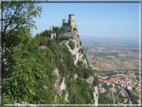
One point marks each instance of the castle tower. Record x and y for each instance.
(63, 22)
(51, 28)
(71, 20)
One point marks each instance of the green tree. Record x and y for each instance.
(22, 56)
(57, 39)
(71, 44)
(95, 82)
(74, 29)
(28, 69)
(18, 17)
(80, 43)
(64, 38)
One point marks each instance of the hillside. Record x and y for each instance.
(42, 70)
(112, 56)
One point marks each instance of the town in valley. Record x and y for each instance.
(116, 64)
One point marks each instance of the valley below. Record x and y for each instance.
(116, 64)
(112, 55)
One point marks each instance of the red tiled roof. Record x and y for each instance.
(122, 92)
(125, 99)
(138, 99)
(101, 88)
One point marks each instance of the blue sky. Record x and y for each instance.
(101, 20)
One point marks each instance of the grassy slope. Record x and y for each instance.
(112, 64)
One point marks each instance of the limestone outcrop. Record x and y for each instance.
(78, 56)
(90, 81)
(96, 95)
(59, 88)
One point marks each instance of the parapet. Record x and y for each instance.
(71, 15)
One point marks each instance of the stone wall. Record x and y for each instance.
(65, 24)
(55, 28)
(53, 35)
(68, 27)
(70, 34)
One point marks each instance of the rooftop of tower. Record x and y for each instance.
(72, 14)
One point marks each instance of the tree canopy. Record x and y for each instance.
(18, 17)
(29, 62)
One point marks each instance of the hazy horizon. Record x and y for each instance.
(125, 38)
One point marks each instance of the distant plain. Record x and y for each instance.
(112, 54)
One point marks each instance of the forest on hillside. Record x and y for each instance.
(28, 62)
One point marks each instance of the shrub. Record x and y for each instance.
(43, 41)
(62, 29)
(80, 43)
(71, 44)
(86, 74)
(64, 38)
(74, 29)
(85, 56)
(81, 50)
(71, 37)
(77, 45)
(69, 30)
(74, 56)
(80, 63)
(132, 96)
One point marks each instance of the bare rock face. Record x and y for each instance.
(75, 76)
(78, 56)
(90, 80)
(75, 52)
(62, 86)
(56, 72)
(42, 47)
(59, 88)
(66, 97)
(56, 85)
(96, 95)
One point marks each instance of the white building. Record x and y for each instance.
(102, 90)
(129, 87)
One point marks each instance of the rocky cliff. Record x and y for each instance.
(77, 56)
(50, 71)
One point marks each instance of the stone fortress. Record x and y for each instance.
(71, 23)
(74, 37)
(67, 26)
